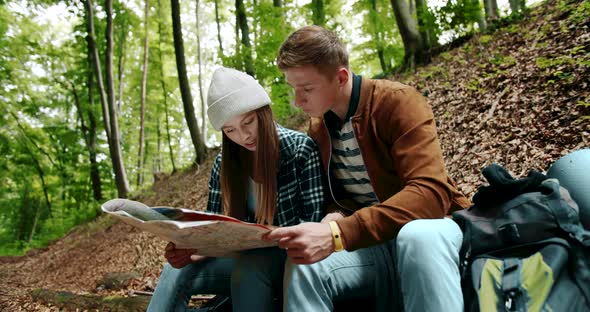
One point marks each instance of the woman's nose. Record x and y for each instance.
(246, 135)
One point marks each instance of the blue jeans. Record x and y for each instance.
(426, 260)
(176, 286)
(253, 280)
(257, 280)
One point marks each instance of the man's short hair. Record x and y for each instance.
(313, 45)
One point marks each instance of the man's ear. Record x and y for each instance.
(343, 74)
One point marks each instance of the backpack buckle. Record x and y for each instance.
(509, 302)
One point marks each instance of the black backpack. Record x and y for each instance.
(524, 248)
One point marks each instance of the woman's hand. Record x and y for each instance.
(179, 258)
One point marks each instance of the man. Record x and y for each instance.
(389, 188)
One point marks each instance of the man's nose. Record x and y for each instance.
(299, 99)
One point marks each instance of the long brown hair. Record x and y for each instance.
(237, 164)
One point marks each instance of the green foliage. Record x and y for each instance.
(550, 63)
(473, 85)
(513, 29)
(457, 15)
(577, 50)
(581, 13)
(502, 61)
(45, 168)
(485, 39)
(558, 69)
(269, 39)
(378, 23)
(446, 56)
(584, 105)
(433, 71)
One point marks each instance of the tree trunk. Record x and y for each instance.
(187, 98)
(158, 159)
(217, 22)
(256, 25)
(516, 6)
(35, 161)
(164, 91)
(203, 106)
(22, 227)
(425, 33)
(318, 12)
(35, 220)
(495, 9)
(377, 37)
(491, 9)
(121, 64)
(72, 302)
(481, 21)
(92, 130)
(143, 96)
(89, 135)
(242, 23)
(41, 175)
(168, 137)
(410, 35)
(97, 68)
(513, 6)
(115, 146)
(108, 110)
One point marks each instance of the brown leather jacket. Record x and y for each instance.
(396, 132)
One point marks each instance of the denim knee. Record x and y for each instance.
(427, 236)
(251, 266)
(267, 264)
(172, 277)
(299, 275)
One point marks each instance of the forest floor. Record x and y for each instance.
(518, 96)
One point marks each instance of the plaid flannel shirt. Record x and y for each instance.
(300, 195)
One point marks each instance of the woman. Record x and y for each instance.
(265, 174)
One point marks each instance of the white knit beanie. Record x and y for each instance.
(232, 93)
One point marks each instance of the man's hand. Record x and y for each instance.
(179, 258)
(332, 217)
(305, 243)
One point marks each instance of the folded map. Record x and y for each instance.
(211, 234)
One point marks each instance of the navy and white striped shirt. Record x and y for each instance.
(348, 167)
(300, 196)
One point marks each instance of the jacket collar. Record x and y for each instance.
(332, 120)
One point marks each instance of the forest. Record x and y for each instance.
(98, 98)
(105, 99)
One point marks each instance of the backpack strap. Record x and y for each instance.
(569, 222)
(566, 217)
(512, 291)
